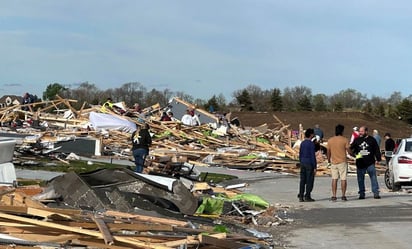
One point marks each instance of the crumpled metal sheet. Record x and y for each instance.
(122, 190)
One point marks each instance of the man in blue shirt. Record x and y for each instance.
(307, 160)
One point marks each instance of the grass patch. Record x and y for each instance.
(215, 178)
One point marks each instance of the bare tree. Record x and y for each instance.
(395, 98)
(295, 95)
(349, 99)
(184, 96)
(319, 102)
(154, 97)
(130, 93)
(86, 92)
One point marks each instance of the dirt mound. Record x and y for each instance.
(327, 121)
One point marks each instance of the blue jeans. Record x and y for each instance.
(307, 178)
(139, 158)
(361, 179)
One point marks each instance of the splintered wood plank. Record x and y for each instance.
(50, 225)
(190, 240)
(27, 200)
(71, 229)
(201, 186)
(47, 213)
(220, 242)
(145, 218)
(107, 236)
(93, 243)
(123, 225)
(42, 212)
(62, 238)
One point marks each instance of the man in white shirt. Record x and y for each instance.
(190, 118)
(187, 118)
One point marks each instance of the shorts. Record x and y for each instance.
(339, 170)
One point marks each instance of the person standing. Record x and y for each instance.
(355, 134)
(367, 152)
(318, 133)
(338, 146)
(165, 117)
(389, 147)
(307, 160)
(187, 118)
(377, 137)
(141, 141)
(107, 106)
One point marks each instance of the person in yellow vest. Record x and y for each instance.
(107, 106)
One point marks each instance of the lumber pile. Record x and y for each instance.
(251, 148)
(31, 224)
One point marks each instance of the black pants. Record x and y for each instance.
(307, 178)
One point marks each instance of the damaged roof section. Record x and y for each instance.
(122, 190)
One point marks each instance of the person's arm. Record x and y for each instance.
(353, 149)
(149, 139)
(377, 153)
(328, 154)
(313, 153)
(347, 147)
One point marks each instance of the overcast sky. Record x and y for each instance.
(207, 47)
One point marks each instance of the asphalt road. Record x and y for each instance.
(369, 223)
(364, 224)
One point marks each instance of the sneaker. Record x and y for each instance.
(376, 197)
(301, 200)
(361, 197)
(344, 198)
(333, 198)
(309, 199)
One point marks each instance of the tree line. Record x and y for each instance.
(250, 98)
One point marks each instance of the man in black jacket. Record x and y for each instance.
(389, 148)
(367, 152)
(141, 140)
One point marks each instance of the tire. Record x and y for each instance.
(388, 180)
(395, 186)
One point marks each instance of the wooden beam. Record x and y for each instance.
(96, 234)
(107, 236)
(145, 218)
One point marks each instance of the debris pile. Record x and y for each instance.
(52, 128)
(117, 208)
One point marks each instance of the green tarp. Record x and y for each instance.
(214, 205)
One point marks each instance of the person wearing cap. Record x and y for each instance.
(355, 134)
(389, 147)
